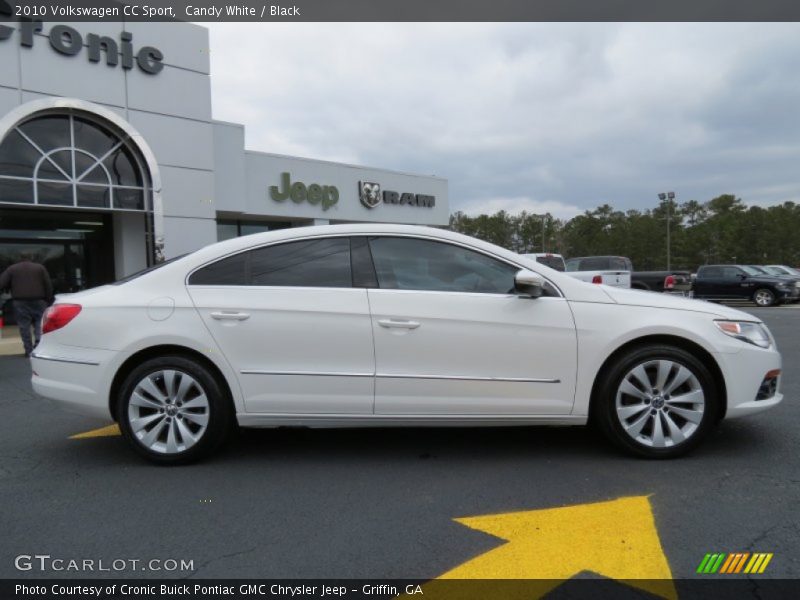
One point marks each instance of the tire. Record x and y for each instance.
(637, 419)
(172, 410)
(764, 297)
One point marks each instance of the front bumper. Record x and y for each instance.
(744, 373)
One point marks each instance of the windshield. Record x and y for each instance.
(782, 270)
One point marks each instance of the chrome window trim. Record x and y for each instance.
(305, 373)
(362, 234)
(401, 376)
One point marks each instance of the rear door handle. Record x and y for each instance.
(397, 324)
(229, 316)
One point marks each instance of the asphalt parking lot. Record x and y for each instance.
(382, 503)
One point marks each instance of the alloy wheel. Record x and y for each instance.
(660, 403)
(764, 297)
(168, 411)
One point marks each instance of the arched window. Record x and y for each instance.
(68, 159)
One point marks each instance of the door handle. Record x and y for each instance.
(229, 316)
(392, 323)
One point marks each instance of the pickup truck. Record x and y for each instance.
(729, 282)
(670, 282)
(554, 261)
(608, 270)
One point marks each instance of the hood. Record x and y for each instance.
(674, 302)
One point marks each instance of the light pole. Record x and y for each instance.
(668, 196)
(544, 232)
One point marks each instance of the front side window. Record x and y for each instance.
(731, 272)
(414, 264)
(308, 263)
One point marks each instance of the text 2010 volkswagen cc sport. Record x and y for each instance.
(392, 325)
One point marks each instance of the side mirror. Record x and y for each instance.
(528, 283)
(742, 275)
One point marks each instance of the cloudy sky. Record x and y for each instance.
(541, 117)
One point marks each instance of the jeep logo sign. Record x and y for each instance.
(66, 40)
(370, 195)
(326, 195)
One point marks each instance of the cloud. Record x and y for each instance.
(580, 114)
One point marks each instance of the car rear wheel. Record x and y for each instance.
(657, 402)
(764, 297)
(172, 410)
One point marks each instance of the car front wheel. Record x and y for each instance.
(657, 402)
(172, 410)
(764, 297)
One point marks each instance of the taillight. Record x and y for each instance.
(597, 279)
(669, 282)
(58, 315)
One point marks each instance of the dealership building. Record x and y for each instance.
(110, 159)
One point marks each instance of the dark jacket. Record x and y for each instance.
(27, 281)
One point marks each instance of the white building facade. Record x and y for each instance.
(110, 158)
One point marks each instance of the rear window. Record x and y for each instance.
(155, 267)
(599, 263)
(554, 262)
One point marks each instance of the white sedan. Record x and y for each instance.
(391, 325)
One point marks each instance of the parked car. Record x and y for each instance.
(782, 270)
(729, 282)
(795, 280)
(394, 325)
(671, 282)
(608, 270)
(554, 261)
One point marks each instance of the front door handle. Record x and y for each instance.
(397, 324)
(229, 316)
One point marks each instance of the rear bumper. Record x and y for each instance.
(74, 378)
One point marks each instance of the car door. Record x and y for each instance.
(708, 282)
(289, 321)
(453, 338)
(735, 283)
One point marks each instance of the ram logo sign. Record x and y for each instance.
(371, 195)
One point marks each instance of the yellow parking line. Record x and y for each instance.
(106, 431)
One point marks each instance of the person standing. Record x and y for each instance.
(31, 291)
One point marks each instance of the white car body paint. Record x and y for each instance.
(326, 357)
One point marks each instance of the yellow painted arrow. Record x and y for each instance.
(102, 432)
(616, 539)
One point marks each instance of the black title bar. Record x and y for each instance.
(404, 10)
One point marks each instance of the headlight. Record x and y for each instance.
(752, 333)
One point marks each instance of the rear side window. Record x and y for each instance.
(228, 271)
(307, 263)
(311, 263)
(709, 272)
